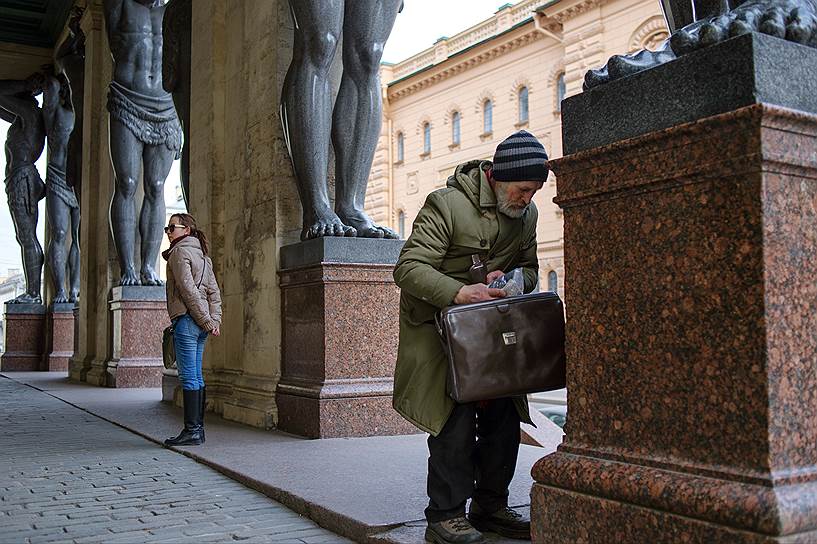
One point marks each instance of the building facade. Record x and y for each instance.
(458, 99)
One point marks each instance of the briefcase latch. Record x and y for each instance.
(509, 338)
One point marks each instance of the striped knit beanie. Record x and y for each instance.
(520, 157)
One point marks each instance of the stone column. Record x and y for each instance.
(691, 252)
(340, 313)
(59, 337)
(249, 206)
(98, 257)
(24, 340)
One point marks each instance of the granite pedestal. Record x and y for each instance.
(691, 258)
(24, 337)
(60, 336)
(340, 323)
(139, 314)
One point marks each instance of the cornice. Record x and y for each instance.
(574, 10)
(450, 68)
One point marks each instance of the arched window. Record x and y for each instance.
(401, 224)
(553, 281)
(455, 128)
(560, 91)
(523, 105)
(487, 117)
(401, 147)
(426, 137)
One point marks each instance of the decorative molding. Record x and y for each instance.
(521, 81)
(648, 35)
(426, 79)
(449, 113)
(420, 124)
(591, 32)
(507, 17)
(484, 96)
(575, 10)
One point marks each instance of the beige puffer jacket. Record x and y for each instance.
(191, 284)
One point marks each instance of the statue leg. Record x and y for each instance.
(358, 109)
(158, 160)
(25, 228)
(58, 224)
(73, 257)
(126, 157)
(306, 111)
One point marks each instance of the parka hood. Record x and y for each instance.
(471, 179)
(189, 242)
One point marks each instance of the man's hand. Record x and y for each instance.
(478, 292)
(216, 331)
(494, 275)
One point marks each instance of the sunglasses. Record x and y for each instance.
(172, 226)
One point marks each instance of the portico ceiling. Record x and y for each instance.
(33, 22)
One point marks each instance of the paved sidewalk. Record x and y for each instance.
(69, 476)
(368, 489)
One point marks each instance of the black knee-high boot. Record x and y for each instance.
(191, 435)
(203, 406)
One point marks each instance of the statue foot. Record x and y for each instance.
(26, 298)
(60, 297)
(620, 66)
(74, 296)
(327, 225)
(149, 277)
(792, 20)
(129, 278)
(366, 228)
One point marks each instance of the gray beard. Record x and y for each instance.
(513, 213)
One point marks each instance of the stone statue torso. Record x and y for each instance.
(62, 120)
(135, 37)
(23, 146)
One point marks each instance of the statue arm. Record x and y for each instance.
(9, 87)
(51, 101)
(170, 47)
(113, 12)
(6, 115)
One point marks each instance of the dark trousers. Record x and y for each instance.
(473, 457)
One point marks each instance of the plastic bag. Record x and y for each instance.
(513, 283)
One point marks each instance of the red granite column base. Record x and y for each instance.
(575, 518)
(340, 417)
(135, 373)
(24, 337)
(57, 362)
(589, 500)
(139, 315)
(11, 362)
(60, 340)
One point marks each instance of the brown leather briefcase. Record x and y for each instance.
(505, 347)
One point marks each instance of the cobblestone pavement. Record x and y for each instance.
(69, 476)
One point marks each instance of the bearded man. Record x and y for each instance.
(483, 216)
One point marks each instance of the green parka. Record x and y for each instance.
(454, 223)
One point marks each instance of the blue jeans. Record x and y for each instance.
(189, 339)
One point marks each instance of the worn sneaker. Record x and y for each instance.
(506, 522)
(451, 531)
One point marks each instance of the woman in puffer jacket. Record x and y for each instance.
(194, 307)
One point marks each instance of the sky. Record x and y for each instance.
(420, 24)
(9, 248)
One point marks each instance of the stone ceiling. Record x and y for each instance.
(33, 22)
